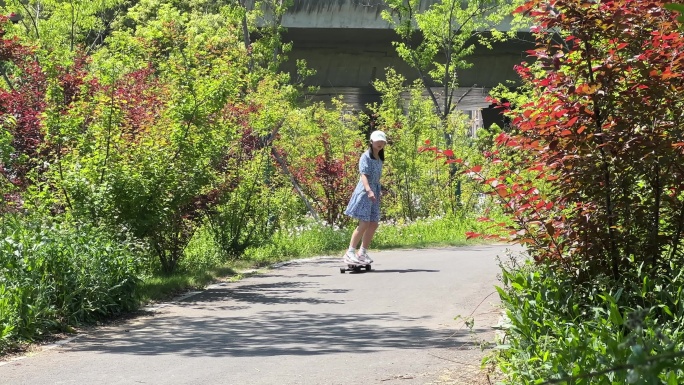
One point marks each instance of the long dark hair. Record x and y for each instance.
(381, 153)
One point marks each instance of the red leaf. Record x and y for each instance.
(502, 191)
(448, 153)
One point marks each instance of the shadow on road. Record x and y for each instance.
(271, 319)
(273, 333)
(276, 293)
(403, 271)
(276, 314)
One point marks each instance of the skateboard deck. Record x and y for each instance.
(354, 267)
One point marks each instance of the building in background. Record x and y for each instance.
(349, 45)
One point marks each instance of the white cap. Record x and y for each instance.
(378, 136)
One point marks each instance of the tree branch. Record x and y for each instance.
(612, 248)
(4, 76)
(34, 20)
(297, 187)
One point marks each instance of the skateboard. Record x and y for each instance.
(354, 267)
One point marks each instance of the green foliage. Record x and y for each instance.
(308, 238)
(582, 124)
(248, 214)
(60, 29)
(420, 185)
(557, 331)
(6, 138)
(202, 253)
(415, 184)
(165, 141)
(59, 274)
(677, 8)
(437, 41)
(448, 230)
(322, 148)
(311, 238)
(446, 28)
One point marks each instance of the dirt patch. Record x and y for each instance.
(469, 372)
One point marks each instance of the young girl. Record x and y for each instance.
(364, 204)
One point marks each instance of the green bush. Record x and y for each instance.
(445, 230)
(560, 332)
(57, 275)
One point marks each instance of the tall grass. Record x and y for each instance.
(442, 231)
(314, 239)
(55, 275)
(302, 241)
(203, 262)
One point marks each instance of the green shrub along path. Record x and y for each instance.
(300, 323)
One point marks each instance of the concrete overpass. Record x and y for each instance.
(349, 45)
(345, 14)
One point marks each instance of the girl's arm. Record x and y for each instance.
(366, 186)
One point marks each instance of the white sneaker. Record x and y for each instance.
(351, 258)
(365, 259)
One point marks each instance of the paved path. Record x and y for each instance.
(301, 323)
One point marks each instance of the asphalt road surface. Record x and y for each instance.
(301, 323)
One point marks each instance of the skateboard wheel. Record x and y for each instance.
(368, 267)
(342, 270)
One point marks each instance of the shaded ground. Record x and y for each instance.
(302, 323)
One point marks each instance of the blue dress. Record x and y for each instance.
(360, 206)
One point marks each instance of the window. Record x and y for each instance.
(475, 122)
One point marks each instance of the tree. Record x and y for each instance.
(323, 146)
(163, 142)
(437, 41)
(62, 27)
(597, 182)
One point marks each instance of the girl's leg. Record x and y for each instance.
(367, 236)
(358, 234)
